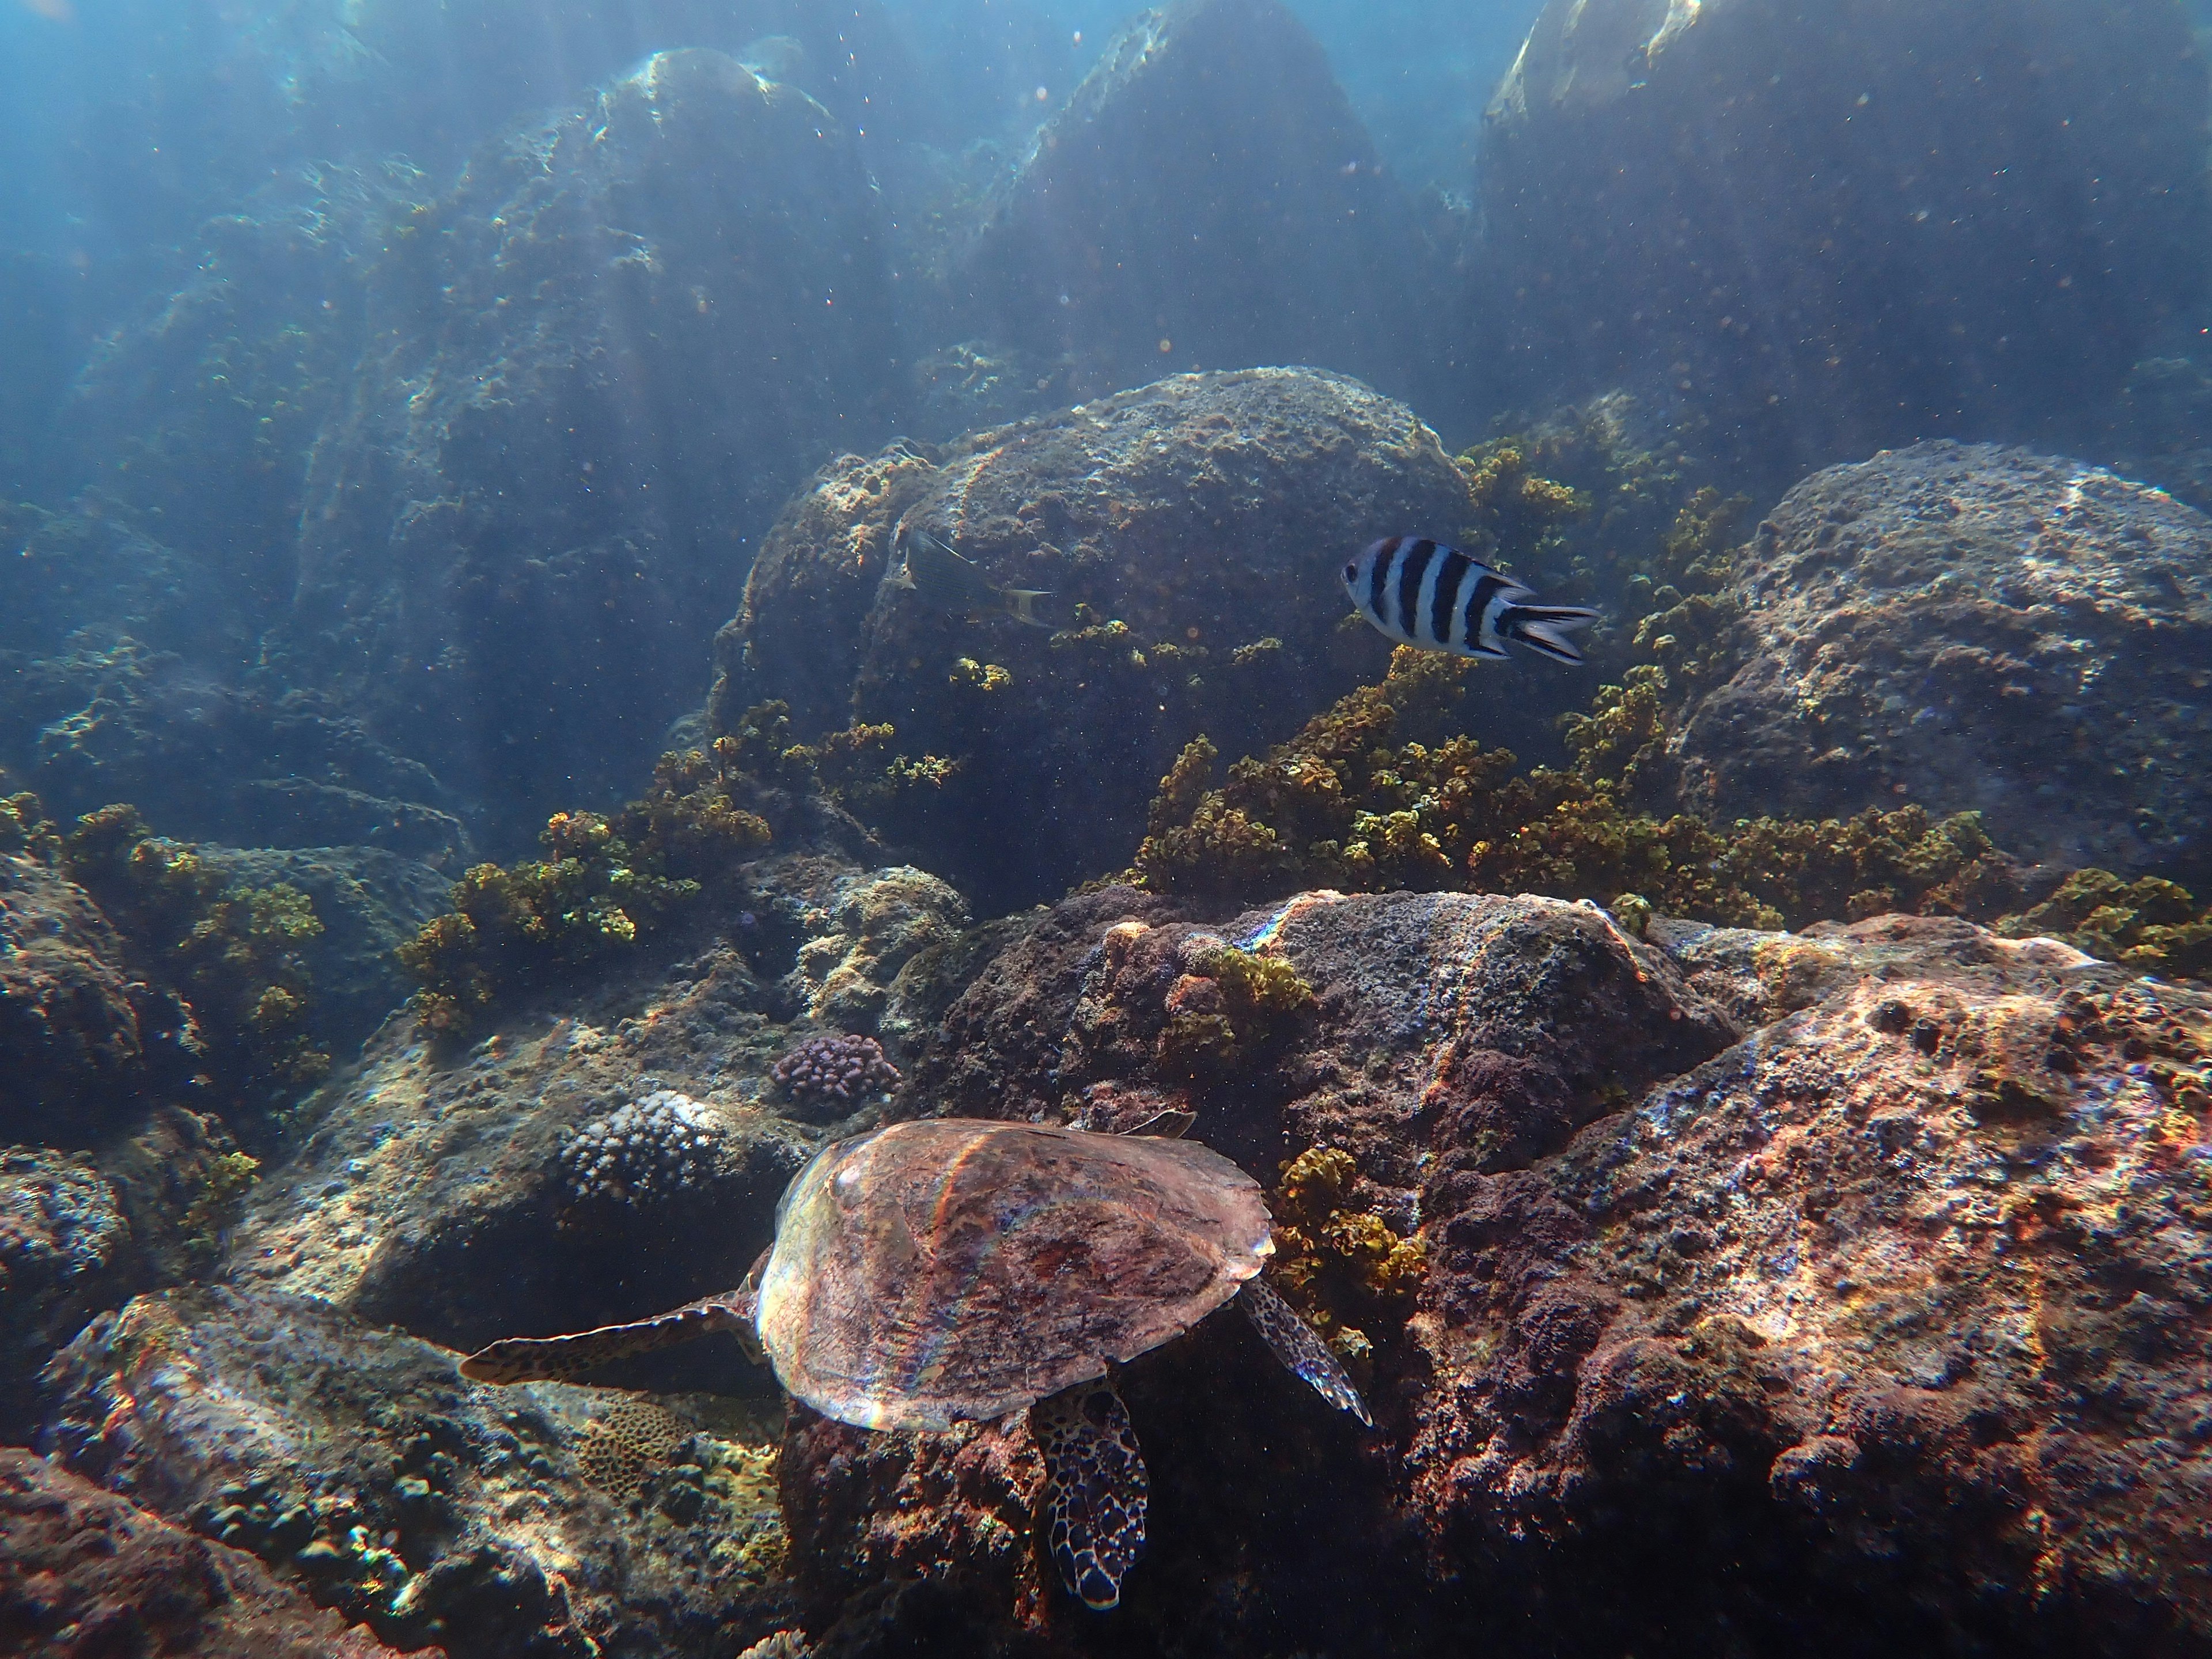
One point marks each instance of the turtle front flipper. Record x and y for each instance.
(528, 1358)
(1094, 1488)
(1300, 1348)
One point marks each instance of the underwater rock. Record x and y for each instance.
(1189, 534)
(201, 410)
(1409, 1024)
(129, 671)
(545, 1521)
(369, 901)
(439, 1190)
(857, 931)
(81, 1232)
(597, 366)
(65, 1253)
(1824, 229)
(1895, 1305)
(1974, 629)
(1208, 198)
(1873, 1324)
(75, 1024)
(86, 1573)
(435, 1192)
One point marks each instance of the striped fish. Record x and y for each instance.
(1422, 593)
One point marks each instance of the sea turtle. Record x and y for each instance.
(952, 1269)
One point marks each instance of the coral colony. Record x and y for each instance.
(1528, 687)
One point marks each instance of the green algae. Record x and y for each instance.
(1343, 806)
(603, 884)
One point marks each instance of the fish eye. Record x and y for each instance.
(1350, 571)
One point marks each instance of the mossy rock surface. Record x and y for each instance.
(1975, 629)
(1187, 536)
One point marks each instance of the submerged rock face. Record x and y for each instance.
(1981, 629)
(1186, 536)
(1884, 1323)
(546, 1521)
(84, 1572)
(1208, 198)
(72, 1047)
(128, 672)
(594, 370)
(1830, 228)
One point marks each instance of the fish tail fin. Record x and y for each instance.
(1020, 601)
(1543, 628)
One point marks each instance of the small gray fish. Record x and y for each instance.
(947, 581)
(1422, 593)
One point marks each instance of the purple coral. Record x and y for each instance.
(834, 1072)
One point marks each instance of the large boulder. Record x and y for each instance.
(355, 1463)
(1187, 535)
(1208, 197)
(1826, 228)
(1978, 629)
(84, 1572)
(1881, 1326)
(595, 370)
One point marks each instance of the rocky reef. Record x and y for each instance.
(603, 361)
(1739, 1109)
(1749, 1263)
(1127, 244)
(435, 1511)
(1979, 629)
(83, 1571)
(1824, 231)
(1173, 531)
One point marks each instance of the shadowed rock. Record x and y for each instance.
(1827, 228)
(1978, 629)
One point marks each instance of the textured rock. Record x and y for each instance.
(1439, 1021)
(73, 1049)
(1883, 1326)
(434, 1194)
(81, 1232)
(1827, 228)
(85, 1573)
(370, 902)
(1896, 1304)
(129, 671)
(1188, 532)
(1974, 629)
(598, 365)
(1208, 197)
(440, 1191)
(65, 1253)
(541, 1521)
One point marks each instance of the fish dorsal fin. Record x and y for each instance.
(532, 1358)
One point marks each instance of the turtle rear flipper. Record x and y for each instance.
(1095, 1489)
(527, 1358)
(1300, 1348)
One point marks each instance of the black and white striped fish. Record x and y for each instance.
(1422, 593)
